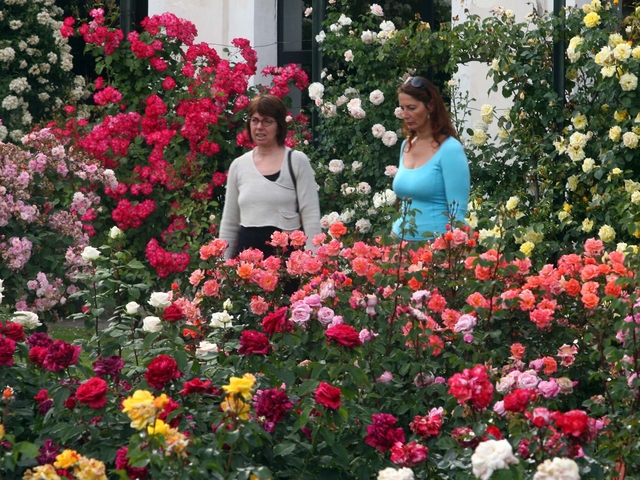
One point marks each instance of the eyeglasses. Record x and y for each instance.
(416, 82)
(266, 122)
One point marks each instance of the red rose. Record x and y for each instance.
(343, 335)
(61, 355)
(195, 386)
(472, 385)
(160, 371)
(37, 355)
(328, 396)
(173, 313)
(382, 434)
(518, 400)
(169, 407)
(573, 423)
(272, 404)
(427, 426)
(70, 402)
(277, 322)
(7, 349)
(93, 392)
(253, 342)
(13, 330)
(492, 431)
(465, 437)
(408, 455)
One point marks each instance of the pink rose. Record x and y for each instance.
(528, 379)
(325, 316)
(386, 377)
(313, 300)
(300, 312)
(549, 389)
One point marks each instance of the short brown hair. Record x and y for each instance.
(269, 106)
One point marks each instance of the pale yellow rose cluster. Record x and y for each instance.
(587, 225)
(487, 112)
(577, 142)
(591, 20)
(607, 233)
(485, 235)
(512, 203)
(580, 121)
(480, 137)
(574, 43)
(588, 165)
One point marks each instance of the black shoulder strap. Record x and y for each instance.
(293, 179)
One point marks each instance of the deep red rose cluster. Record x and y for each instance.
(198, 386)
(382, 433)
(427, 426)
(12, 330)
(272, 405)
(122, 463)
(253, 342)
(7, 349)
(53, 355)
(161, 371)
(166, 262)
(110, 366)
(93, 393)
(472, 385)
(328, 396)
(344, 335)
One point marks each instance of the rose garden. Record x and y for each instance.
(505, 348)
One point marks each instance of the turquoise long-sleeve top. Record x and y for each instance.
(432, 188)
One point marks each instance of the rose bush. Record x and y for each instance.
(373, 363)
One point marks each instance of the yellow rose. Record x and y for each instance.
(616, 171)
(572, 183)
(241, 386)
(1, 431)
(591, 20)
(562, 215)
(567, 207)
(533, 236)
(42, 472)
(580, 121)
(606, 233)
(615, 133)
(90, 469)
(527, 248)
(608, 71)
(512, 203)
(236, 407)
(635, 198)
(67, 459)
(140, 408)
(587, 225)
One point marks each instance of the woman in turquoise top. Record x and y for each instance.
(433, 174)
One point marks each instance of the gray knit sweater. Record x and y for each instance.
(254, 201)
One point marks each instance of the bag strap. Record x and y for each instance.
(293, 179)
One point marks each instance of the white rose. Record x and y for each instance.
(391, 473)
(316, 91)
(131, 308)
(28, 320)
(364, 188)
(390, 138)
(557, 469)
(321, 36)
(635, 198)
(588, 165)
(220, 320)
(115, 232)
(355, 166)
(368, 37)
(630, 140)
(376, 10)
(378, 130)
(357, 113)
(336, 166)
(344, 20)
(151, 324)
(363, 225)
(329, 110)
(160, 299)
(490, 456)
(628, 82)
(348, 56)
(387, 26)
(398, 113)
(206, 347)
(390, 171)
(341, 100)
(376, 97)
(90, 254)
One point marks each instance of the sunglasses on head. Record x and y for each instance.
(416, 82)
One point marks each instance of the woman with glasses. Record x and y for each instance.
(271, 188)
(433, 174)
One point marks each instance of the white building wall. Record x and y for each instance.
(220, 21)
